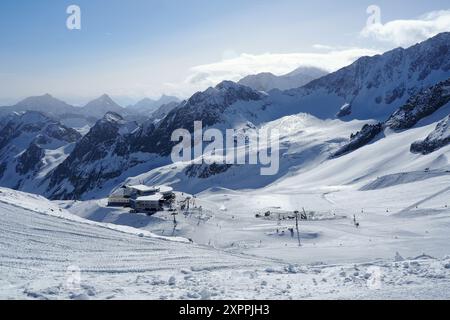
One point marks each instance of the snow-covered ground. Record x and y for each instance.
(47, 253)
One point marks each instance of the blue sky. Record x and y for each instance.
(136, 48)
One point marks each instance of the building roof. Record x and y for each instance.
(165, 189)
(152, 198)
(143, 188)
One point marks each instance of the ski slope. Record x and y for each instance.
(400, 199)
(47, 253)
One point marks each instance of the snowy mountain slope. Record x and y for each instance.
(295, 79)
(305, 141)
(230, 105)
(429, 105)
(50, 254)
(32, 144)
(36, 236)
(211, 107)
(164, 110)
(406, 210)
(390, 155)
(397, 196)
(111, 149)
(101, 156)
(376, 86)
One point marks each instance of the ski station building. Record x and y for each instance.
(142, 198)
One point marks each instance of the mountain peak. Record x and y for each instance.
(39, 99)
(106, 99)
(225, 85)
(45, 103)
(267, 81)
(102, 105)
(312, 72)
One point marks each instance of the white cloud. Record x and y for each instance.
(319, 46)
(408, 32)
(234, 69)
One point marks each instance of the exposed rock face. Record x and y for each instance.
(360, 139)
(204, 171)
(438, 139)
(420, 106)
(24, 139)
(377, 86)
(207, 106)
(100, 155)
(414, 63)
(30, 160)
(165, 109)
(2, 169)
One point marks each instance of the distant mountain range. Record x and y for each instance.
(87, 115)
(149, 106)
(295, 79)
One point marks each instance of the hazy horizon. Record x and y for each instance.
(151, 48)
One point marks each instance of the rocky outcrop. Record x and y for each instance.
(418, 107)
(436, 140)
(30, 160)
(367, 134)
(422, 105)
(204, 171)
